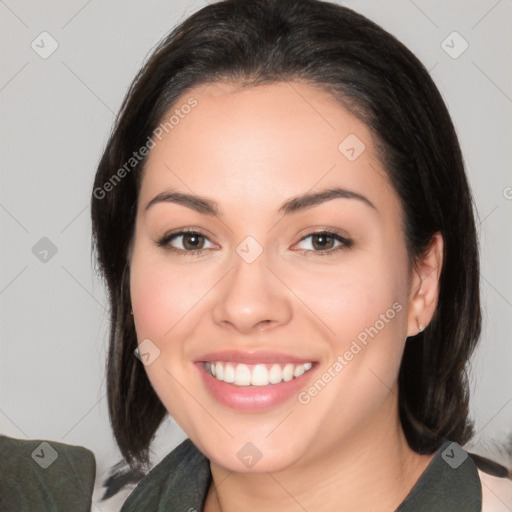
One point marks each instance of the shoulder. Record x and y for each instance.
(181, 478)
(496, 493)
(450, 483)
(45, 475)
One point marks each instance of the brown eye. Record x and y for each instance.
(326, 242)
(192, 242)
(322, 241)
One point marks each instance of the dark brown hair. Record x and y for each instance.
(374, 76)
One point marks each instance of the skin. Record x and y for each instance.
(250, 151)
(496, 492)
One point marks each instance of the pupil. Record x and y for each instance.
(322, 241)
(194, 245)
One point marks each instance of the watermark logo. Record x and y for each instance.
(249, 454)
(454, 45)
(249, 249)
(44, 45)
(45, 455)
(44, 250)
(147, 352)
(342, 360)
(352, 147)
(139, 155)
(454, 455)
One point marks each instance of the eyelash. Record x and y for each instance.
(345, 243)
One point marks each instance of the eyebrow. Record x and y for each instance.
(295, 204)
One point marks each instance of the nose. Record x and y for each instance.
(252, 298)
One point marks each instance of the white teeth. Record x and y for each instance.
(219, 371)
(288, 372)
(242, 375)
(299, 370)
(276, 374)
(259, 375)
(229, 373)
(255, 375)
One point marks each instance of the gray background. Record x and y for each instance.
(56, 114)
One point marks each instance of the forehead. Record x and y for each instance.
(269, 141)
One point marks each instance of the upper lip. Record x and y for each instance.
(237, 356)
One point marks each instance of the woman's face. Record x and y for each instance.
(263, 296)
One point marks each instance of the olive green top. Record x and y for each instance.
(180, 482)
(49, 476)
(45, 476)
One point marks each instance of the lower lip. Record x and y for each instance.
(253, 398)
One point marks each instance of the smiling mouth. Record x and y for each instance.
(245, 375)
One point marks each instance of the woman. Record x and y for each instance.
(286, 230)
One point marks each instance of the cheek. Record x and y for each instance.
(154, 305)
(162, 301)
(162, 294)
(363, 309)
(362, 293)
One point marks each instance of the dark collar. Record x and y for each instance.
(450, 483)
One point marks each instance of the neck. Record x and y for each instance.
(373, 470)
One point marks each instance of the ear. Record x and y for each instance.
(424, 290)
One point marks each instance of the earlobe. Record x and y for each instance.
(424, 291)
